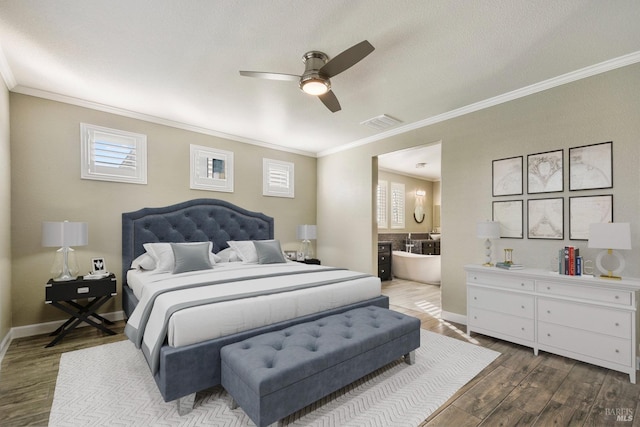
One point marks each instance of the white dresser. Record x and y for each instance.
(589, 319)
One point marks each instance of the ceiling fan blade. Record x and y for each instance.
(330, 101)
(347, 58)
(270, 76)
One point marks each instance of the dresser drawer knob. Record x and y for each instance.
(617, 324)
(522, 329)
(475, 317)
(548, 311)
(475, 298)
(475, 278)
(617, 297)
(617, 351)
(521, 284)
(548, 334)
(548, 288)
(522, 306)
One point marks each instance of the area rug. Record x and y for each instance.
(112, 385)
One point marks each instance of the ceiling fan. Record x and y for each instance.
(318, 70)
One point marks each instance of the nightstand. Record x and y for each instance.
(63, 296)
(311, 261)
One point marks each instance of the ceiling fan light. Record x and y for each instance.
(315, 87)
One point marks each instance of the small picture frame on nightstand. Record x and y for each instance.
(98, 266)
(291, 255)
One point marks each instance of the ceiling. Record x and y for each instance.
(177, 62)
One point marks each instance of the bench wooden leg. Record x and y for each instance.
(185, 404)
(410, 358)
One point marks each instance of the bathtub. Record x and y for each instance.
(416, 267)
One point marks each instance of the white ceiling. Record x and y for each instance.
(177, 62)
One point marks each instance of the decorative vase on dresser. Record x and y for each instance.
(584, 318)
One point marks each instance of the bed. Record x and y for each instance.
(184, 369)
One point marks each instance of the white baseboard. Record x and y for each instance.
(45, 328)
(48, 327)
(454, 317)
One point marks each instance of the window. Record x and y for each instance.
(397, 205)
(277, 178)
(112, 155)
(381, 204)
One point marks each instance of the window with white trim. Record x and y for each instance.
(397, 205)
(112, 154)
(277, 178)
(381, 204)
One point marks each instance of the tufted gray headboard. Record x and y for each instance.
(199, 220)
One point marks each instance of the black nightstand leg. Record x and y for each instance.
(85, 308)
(80, 316)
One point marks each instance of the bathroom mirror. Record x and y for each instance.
(418, 214)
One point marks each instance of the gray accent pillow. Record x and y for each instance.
(269, 251)
(191, 257)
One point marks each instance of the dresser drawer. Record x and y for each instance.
(384, 258)
(590, 344)
(518, 327)
(384, 248)
(499, 280)
(604, 320)
(502, 302)
(614, 296)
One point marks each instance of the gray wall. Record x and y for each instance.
(46, 186)
(601, 108)
(5, 216)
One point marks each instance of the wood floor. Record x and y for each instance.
(517, 389)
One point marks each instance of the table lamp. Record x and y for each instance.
(488, 230)
(306, 233)
(610, 236)
(64, 234)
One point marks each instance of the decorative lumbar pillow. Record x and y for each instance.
(162, 254)
(269, 252)
(245, 249)
(144, 262)
(228, 255)
(191, 257)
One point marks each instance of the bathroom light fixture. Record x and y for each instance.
(610, 236)
(488, 230)
(64, 234)
(306, 233)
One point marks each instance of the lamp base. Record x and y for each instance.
(610, 276)
(487, 264)
(64, 278)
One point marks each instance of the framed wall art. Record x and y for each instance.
(545, 172)
(591, 167)
(211, 169)
(586, 210)
(545, 218)
(507, 176)
(509, 214)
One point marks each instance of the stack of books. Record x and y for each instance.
(509, 266)
(570, 261)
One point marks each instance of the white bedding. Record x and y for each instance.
(206, 322)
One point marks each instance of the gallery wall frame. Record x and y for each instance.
(509, 213)
(591, 166)
(586, 210)
(545, 172)
(211, 169)
(545, 218)
(507, 176)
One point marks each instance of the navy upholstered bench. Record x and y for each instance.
(275, 374)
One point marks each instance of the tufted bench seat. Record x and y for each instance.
(278, 373)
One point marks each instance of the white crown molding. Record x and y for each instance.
(149, 118)
(5, 71)
(570, 77)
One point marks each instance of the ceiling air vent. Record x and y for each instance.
(381, 122)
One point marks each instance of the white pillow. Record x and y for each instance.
(144, 262)
(245, 249)
(228, 255)
(163, 255)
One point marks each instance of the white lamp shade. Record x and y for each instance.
(65, 234)
(611, 235)
(306, 232)
(488, 230)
